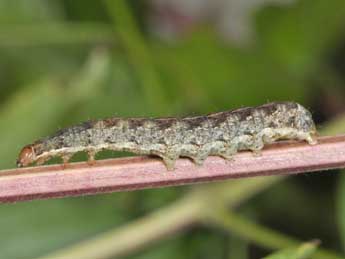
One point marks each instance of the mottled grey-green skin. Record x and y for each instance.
(222, 134)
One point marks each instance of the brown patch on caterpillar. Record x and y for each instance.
(111, 122)
(195, 121)
(164, 123)
(222, 134)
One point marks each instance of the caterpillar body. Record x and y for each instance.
(222, 134)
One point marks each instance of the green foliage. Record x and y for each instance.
(48, 101)
(43, 226)
(341, 207)
(62, 62)
(303, 251)
(138, 53)
(302, 34)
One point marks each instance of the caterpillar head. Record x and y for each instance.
(26, 156)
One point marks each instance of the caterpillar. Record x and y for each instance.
(222, 134)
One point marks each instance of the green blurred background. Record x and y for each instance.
(66, 61)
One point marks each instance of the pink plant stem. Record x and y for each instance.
(136, 173)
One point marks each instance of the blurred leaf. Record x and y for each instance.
(22, 67)
(85, 10)
(198, 243)
(237, 248)
(297, 38)
(28, 115)
(35, 110)
(38, 34)
(335, 127)
(338, 127)
(22, 11)
(303, 251)
(41, 226)
(45, 225)
(191, 207)
(139, 54)
(296, 192)
(289, 49)
(341, 207)
(208, 74)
